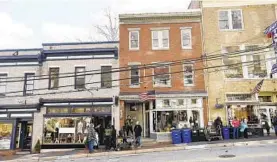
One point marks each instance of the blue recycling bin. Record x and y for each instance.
(176, 136)
(226, 133)
(186, 135)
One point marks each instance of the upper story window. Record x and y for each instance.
(134, 40)
(162, 76)
(160, 39)
(134, 75)
(166, 102)
(230, 20)
(239, 97)
(106, 76)
(28, 84)
(233, 63)
(265, 99)
(188, 74)
(258, 68)
(80, 78)
(3, 84)
(54, 78)
(186, 38)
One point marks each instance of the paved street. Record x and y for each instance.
(266, 153)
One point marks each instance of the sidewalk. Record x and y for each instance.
(157, 147)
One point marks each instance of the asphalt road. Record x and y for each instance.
(265, 153)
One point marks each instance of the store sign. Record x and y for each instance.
(5, 135)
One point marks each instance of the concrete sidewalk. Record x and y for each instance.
(75, 154)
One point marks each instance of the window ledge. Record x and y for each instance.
(133, 49)
(160, 49)
(165, 86)
(189, 85)
(186, 48)
(231, 30)
(134, 86)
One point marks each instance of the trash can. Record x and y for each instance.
(176, 136)
(186, 135)
(194, 135)
(201, 134)
(225, 133)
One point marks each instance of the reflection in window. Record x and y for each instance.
(258, 68)
(57, 110)
(234, 63)
(180, 102)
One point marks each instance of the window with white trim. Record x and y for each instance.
(3, 84)
(160, 39)
(133, 40)
(106, 76)
(162, 76)
(233, 63)
(186, 38)
(28, 88)
(230, 20)
(257, 69)
(54, 78)
(188, 74)
(134, 72)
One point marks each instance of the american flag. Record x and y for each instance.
(150, 95)
(258, 87)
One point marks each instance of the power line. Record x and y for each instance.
(147, 66)
(212, 67)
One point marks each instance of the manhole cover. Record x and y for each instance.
(227, 156)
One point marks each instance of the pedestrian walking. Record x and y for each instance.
(244, 128)
(113, 140)
(235, 124)
(91, 137)
(138, 130)
(275, 123)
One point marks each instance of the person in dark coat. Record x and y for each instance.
(218, 124)
(138, 130)
(113, 139)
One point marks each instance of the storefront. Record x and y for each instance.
(168, 113)
(16, 126)
(65, 124)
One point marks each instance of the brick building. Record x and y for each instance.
(161, 39)
(238, 26)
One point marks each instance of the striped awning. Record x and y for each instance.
(272, 28)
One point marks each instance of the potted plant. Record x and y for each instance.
(37, 147)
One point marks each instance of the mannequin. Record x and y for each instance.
(57, 127)
(80, 130)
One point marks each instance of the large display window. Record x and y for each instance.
(5, 135)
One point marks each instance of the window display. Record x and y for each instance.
(165, 120)
(65, 130)
(5, 135)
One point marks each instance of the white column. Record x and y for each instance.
(201, 116)
(151, 116)
(189, 113)
(143, 118)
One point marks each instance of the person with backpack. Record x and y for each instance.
(138, 130)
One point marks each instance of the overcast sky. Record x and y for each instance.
(28, 23)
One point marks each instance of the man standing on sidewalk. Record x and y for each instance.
(236, 124)
(138, 131)
(91, 137)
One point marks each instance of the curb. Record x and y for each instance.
(162, 149)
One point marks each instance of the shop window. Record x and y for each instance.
(257, 69)
(106, 76)
(234, 64)
(265, 99)
(166, 103)
(188, 74)
(54, 78)
(166, 120)
(5, 135)
(28, 84)
(57, 110)
(80, 77)
(134, 75)
(180, 102)
(3, 84)
(162, 76)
